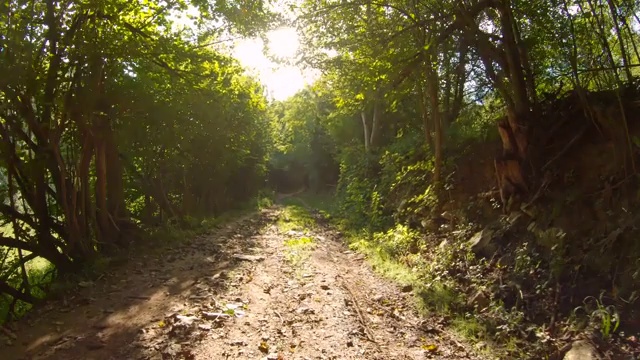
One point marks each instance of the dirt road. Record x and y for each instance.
(248, 291)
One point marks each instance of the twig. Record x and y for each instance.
(566, 148)
(621, 182)
(280, 316)
(367, 331)
(545, 183)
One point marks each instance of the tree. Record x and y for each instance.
(109, 105)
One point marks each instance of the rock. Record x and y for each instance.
(448, 216)
(516, 218)
(349, 343)
(305, 310)
(85, 284)
(482, 242)
(479, 300)
(186, 320)
(430, 224)
(582, 350)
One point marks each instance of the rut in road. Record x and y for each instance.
(249, 291)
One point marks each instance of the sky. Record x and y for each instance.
(281, 81)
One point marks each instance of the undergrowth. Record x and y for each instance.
(444, 275)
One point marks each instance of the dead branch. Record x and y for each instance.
(566, 148)
(363, 322)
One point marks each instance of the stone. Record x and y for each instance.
(582, 350)
(482, 243)
(479, 300)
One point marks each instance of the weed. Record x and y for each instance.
(299, 249)
(605, 317)
(295, 218)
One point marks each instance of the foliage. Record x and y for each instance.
(114, 119)
(606, 318)
(301, 143)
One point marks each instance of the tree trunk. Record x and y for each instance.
(365, 128)
(102, 211)
(116, 206)
(623, 50)
(187, 195)
(376, 122)
(432, 93)
(426, 124)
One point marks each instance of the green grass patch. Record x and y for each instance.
(295, 218)
(381, 260)
(299, 249)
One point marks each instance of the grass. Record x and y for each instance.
(299, 249)
(295, 218)
(380, 260)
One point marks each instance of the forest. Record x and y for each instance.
(485, 149)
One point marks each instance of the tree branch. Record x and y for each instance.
(8, 289)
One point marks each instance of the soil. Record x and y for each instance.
(238, 293)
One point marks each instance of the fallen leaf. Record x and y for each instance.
(264, 347)
(430, 348)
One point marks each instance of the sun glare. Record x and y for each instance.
(281, 81)
(283, 42)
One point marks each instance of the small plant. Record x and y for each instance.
(299, 249)
(607, 316)
(295, 218)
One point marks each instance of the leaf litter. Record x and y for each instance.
(235, 294)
